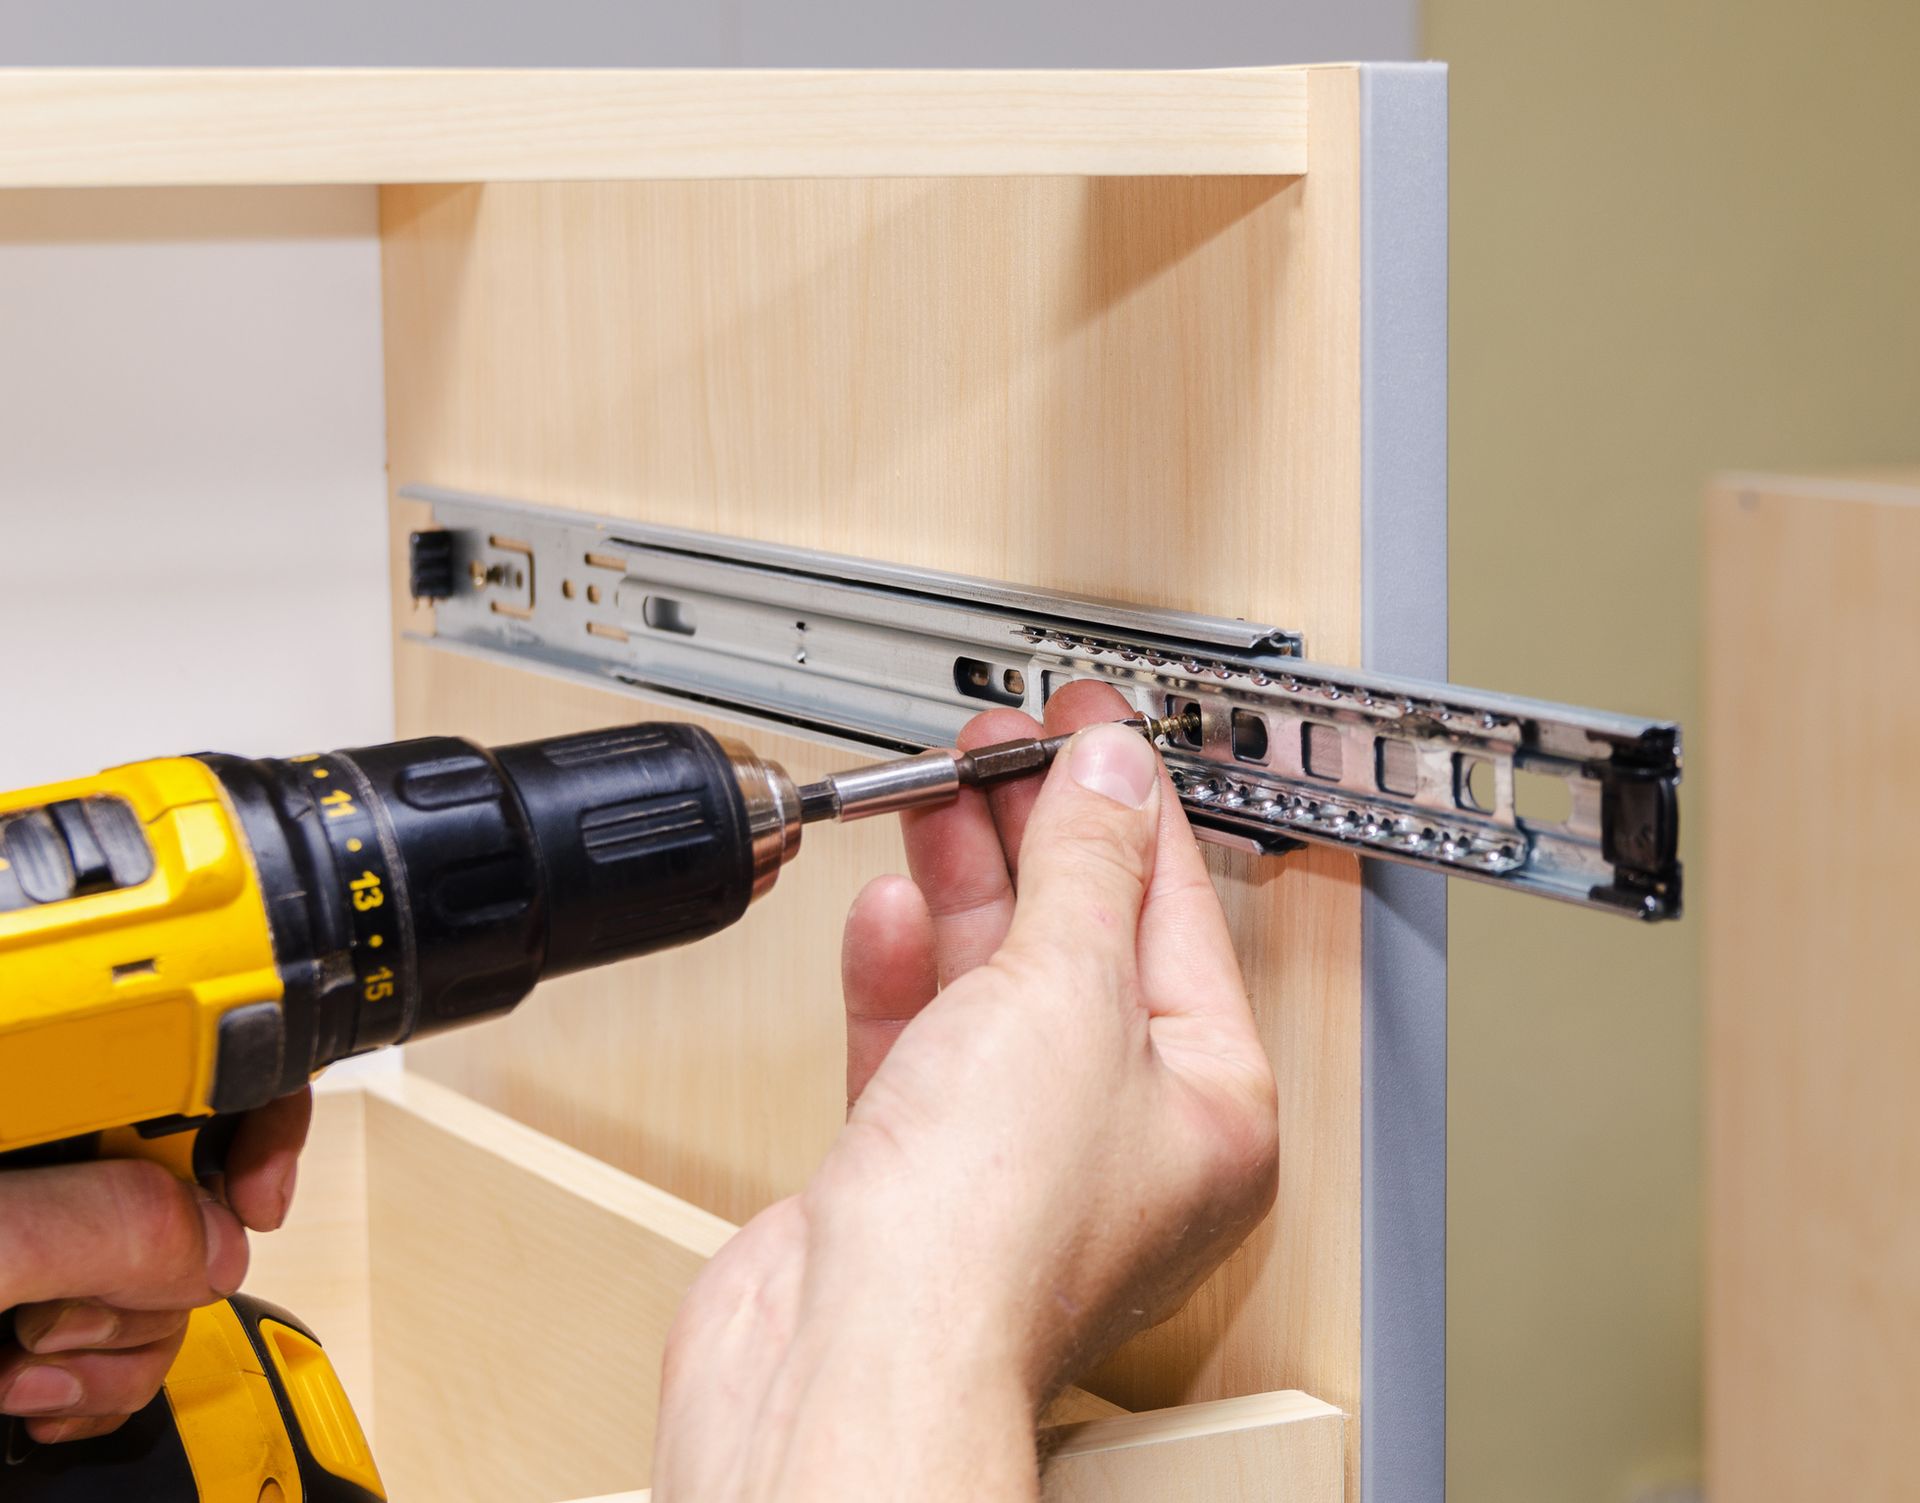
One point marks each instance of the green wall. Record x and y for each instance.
(1686, 237)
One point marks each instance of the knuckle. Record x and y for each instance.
(1030, 971)
(966, 891)
(678, 1350)
(991, 726)
(1088, 825)
(143, 1370)
(1101, 700)
(1185, 886)
(1022, 969)
(131, 1379)
(1246, 1139)
(1096, 880)
(1041, 970)
(160, 1221)
(1265, 1092)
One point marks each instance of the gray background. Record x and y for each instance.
(729, 33)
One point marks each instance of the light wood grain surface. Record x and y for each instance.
(1247, 1450)
(1813, 1011)
(521, 1294)
(1263, 1448)
(1139, 388)
(98, 127)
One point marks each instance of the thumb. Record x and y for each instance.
(1087, 855)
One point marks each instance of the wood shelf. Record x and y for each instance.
(104, 127)
(1813, 1144)
(496, 1303)
(1267, 1445)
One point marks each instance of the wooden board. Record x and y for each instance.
(1140, 388)
(1262, 1446)
(101, 127)
(521, 1294)
(1812, 949)
(1266, 1446)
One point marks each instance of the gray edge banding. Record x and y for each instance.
(1403, 373)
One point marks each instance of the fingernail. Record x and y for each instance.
(41, 1389)
(287, 1183)
(225, 1270)
(77, 1326)
(1115, 762)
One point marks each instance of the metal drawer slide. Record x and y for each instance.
(880, 657)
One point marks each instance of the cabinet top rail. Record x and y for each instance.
(158, 127)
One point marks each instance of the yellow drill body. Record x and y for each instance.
(110, 1001)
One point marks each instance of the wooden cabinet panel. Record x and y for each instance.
(1812, 950)
(119, 127)
(1145, 388)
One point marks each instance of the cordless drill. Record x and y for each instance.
(185, 939)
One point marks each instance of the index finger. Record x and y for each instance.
(957, 858)
(122, 1231)
(264, 1159)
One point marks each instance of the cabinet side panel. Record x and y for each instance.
(1140, 388)
(1813, 1141)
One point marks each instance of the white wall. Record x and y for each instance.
(192, 476)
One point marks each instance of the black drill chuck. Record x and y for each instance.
(419, 885)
